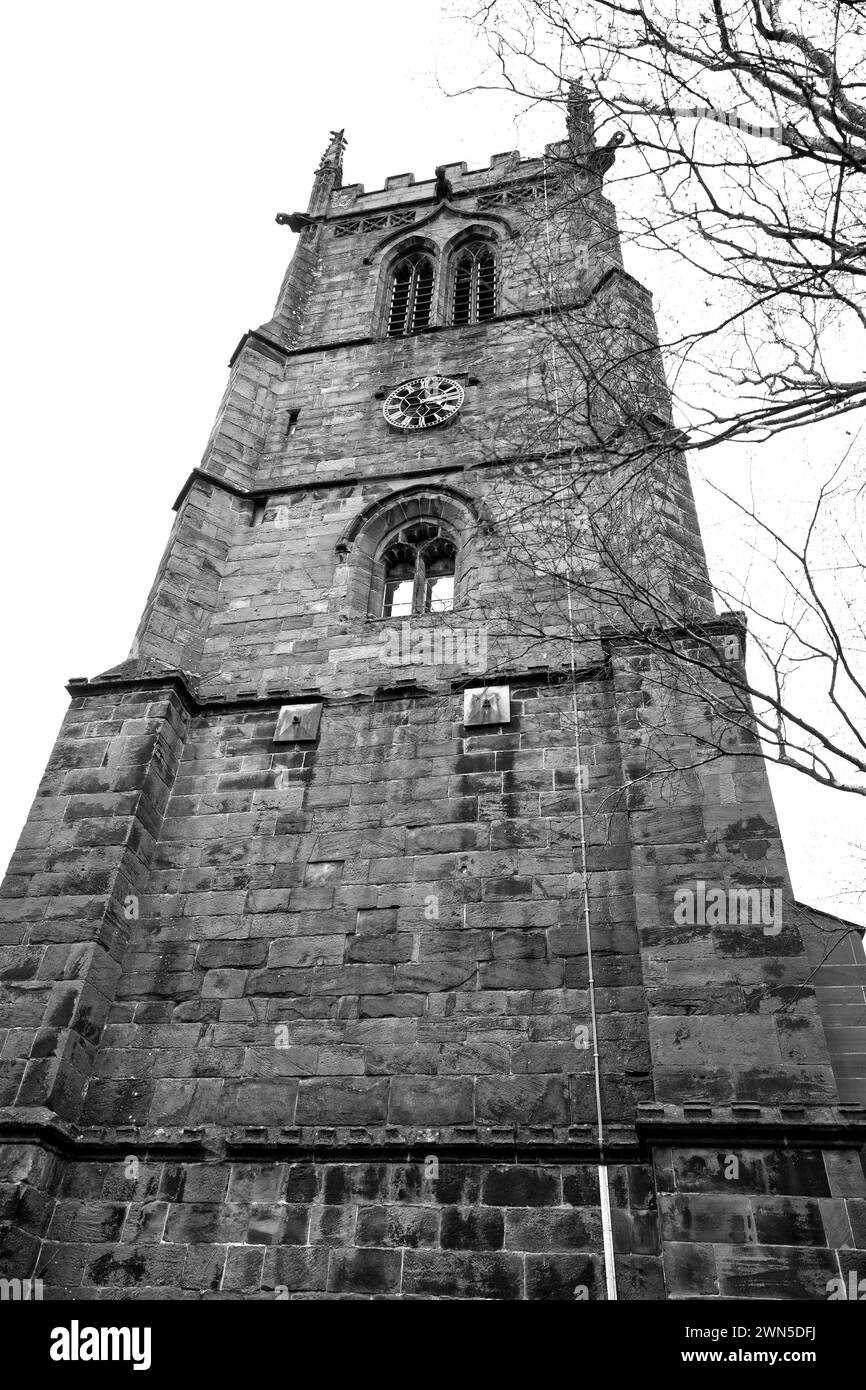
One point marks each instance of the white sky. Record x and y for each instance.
(148, 151)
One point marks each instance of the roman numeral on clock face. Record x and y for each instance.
(423, 402)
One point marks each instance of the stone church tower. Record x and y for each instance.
(344, 950)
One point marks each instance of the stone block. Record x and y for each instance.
(462, 1274)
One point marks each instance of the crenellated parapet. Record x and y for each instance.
(381, 926)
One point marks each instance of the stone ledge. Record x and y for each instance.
(44, 1127)
(270, 488)
(259, 342)
(757, 1126)
(794, 1125)
(343, 1143)
(719, 624)
(186, 685)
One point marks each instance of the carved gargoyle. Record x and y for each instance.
(296, 221)
(599, 161)
(443, 192)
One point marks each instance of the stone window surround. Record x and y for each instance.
(364, 542)
(444, 259)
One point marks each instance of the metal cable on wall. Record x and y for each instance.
(603, 1184)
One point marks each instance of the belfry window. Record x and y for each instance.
(419, 572)
(474, 285)
(411, 295)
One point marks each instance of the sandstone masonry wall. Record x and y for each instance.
(313, 1020)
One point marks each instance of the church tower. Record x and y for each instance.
(360, 940)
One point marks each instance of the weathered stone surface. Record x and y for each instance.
(364, 1271)
(266, 958)
(522, 1187)
(563, 1278)
(777, 1272)
(458, 1274)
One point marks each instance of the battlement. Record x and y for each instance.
(295, 986)
(403, 189)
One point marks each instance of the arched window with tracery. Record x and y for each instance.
(411, 301)
(475, 287)
(418, 565)
(413, 552)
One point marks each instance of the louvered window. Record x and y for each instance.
(411, 295)
(475, 285)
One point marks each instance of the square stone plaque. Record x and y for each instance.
(490, 704)
(298, 723)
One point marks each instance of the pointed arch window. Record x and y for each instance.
(419, 572)
(441, 523)
(411, 300)
(475, 284)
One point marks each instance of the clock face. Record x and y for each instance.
(423, 402)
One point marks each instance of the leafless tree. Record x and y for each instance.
(755, 199)
(744, 132)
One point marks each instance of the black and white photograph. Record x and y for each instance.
(434, 798)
